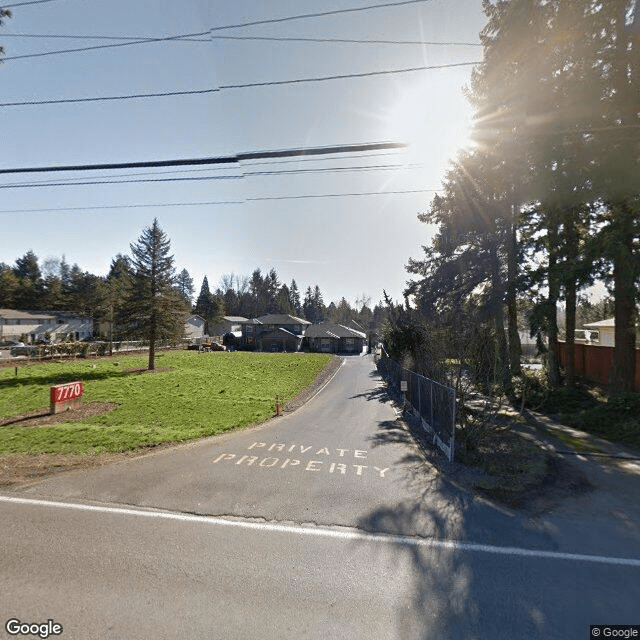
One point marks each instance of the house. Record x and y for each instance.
(37, 325)
(194, 327)
(602, 333)
(273, 332)
(227, 324)
(330, 337)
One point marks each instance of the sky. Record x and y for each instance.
(345, 222)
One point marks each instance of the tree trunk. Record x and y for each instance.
(624, 355)
(553, 363)
(515, 348)
(152, 345)
(498, 315)
(570, 288)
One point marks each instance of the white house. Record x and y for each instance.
(36, 325)
(194, 326)
(603, 332)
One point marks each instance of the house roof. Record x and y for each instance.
(332, 330)
(281, 318)
(277, 333)
(608, 322)
(234, 318)
(24, 315)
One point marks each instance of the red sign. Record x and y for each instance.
(64, 392)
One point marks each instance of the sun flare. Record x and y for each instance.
(433, 119)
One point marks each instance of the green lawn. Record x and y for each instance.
(201, 395)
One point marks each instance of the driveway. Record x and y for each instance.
(324, 523)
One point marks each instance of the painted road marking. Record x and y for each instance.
(342, 533)
(320, 462)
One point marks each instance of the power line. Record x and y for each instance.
(366, 74)
(319, 14)
(342, 195)
(267, 38)
(22, 4)
(248, 174)
(132, 96)
(105, 46)
(248, 85)
(217, 202)
(234, 159)
(213, 29)
(346, 40)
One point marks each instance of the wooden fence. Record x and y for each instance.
(594, 363)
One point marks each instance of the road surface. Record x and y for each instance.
(324, 523)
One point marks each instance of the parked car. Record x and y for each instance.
(24, 350)
(8, 344)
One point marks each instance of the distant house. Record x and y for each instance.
(227, 324)
(330, 337)
(273, 332)
(194, 327)
(37, 325)
(602, 333)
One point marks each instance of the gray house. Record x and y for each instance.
(330, 337)
(273, 332)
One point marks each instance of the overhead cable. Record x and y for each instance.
(214, 29)
(233, 159)
(220, 202)
(266, 38)
(73, 182)
(246, 85)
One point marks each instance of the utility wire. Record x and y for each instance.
(320, 14)
(248, 85)
(343, 76)
(213, 29)
(132, 96)
(267, 38)
(83, 181)
(234, 159)
(104, 46)
(219, 202)
(22, 4)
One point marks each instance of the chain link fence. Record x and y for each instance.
(432, 402)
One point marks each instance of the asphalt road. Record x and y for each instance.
(325, 523)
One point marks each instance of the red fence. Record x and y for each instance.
(595, 363)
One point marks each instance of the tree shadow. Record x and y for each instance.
(63, 377)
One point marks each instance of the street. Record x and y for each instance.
(322, 523)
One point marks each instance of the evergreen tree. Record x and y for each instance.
(184, 284)
(154, 308)
(209, 306)
(295, 298)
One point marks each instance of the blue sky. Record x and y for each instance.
(349, 245)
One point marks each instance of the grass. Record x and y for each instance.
(198, 395)
(615, 417)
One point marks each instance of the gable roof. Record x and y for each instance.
(25, 315)
(332, 330)
(608, 322)
(281, 318)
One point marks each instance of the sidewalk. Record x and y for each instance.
(607, 519)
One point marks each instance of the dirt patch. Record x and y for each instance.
(19, 469)
(42, 417)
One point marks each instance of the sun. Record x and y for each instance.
(432, 116)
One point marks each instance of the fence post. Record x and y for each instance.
(431, 406)
(453, 427)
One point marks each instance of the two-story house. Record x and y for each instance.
(273, 332)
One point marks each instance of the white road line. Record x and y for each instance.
(342, 533)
